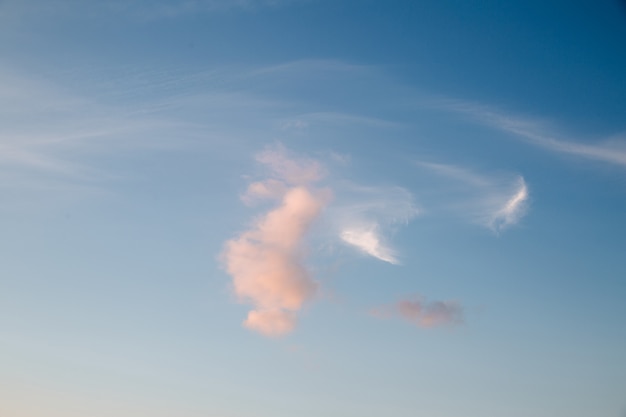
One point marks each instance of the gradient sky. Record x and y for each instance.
(278, 208)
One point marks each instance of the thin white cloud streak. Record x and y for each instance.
(497, 202)
(423, 313)
(534, 132)
(364, 220)
(456, 173)
(267, 262)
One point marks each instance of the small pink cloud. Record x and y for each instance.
(423, 313)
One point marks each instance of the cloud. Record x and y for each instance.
(58, 131)
(370, 242)
(50, 138)
(267, 262)
(367, 214)
(423, 313)
(514, 208)
(496, 201)
(539, 133)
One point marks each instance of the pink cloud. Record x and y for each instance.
(267, 262)
(423, 313)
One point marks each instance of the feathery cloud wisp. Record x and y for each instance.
(369, 241)
(496, 201)
(513, 209)
(361, 222)
(267, 262)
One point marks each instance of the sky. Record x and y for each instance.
(278, 208)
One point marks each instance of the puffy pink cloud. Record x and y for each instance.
(267, 262)
(423, 313)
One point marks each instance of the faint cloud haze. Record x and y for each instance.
(290, 170)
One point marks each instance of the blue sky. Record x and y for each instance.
(252, 208)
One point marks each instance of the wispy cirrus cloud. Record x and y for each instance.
(538, 133)
(513, 209)
(368, 240)
(57, 129)
(496, 201)
(49, 136)
(60, 126)
(368, 214)
(422, 312)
